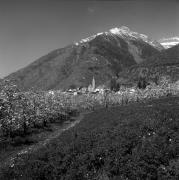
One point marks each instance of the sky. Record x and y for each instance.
(30, 29)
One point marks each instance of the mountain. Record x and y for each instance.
(125, 33)
(168, 56)
(169, 42)
(164, 64)
(102, 55)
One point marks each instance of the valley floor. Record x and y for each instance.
(136, 141)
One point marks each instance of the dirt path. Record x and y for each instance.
(32, 148)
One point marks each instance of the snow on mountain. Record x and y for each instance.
(125, 33)
(169, 42)
(89, 38)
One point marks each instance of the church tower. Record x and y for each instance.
(93, 83)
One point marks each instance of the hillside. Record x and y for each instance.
(164, 64)
(169, 56)
(137, 141)
(103, 55)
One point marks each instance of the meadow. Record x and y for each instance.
(134, 141)
(129, 134)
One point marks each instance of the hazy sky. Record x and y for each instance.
(32, 28)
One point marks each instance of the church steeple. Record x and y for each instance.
(93, 83)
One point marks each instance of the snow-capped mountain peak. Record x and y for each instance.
(117, 30)
(114, 30)
(125, 33)
(169, 42)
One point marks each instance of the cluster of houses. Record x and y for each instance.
(100, 89)
(94, 90)
(90, 89)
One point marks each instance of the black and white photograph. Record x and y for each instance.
(89, 89)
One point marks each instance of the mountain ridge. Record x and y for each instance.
(165, 64)
(169, 42)
(125, 32)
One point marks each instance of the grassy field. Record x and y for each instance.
(135, 141)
